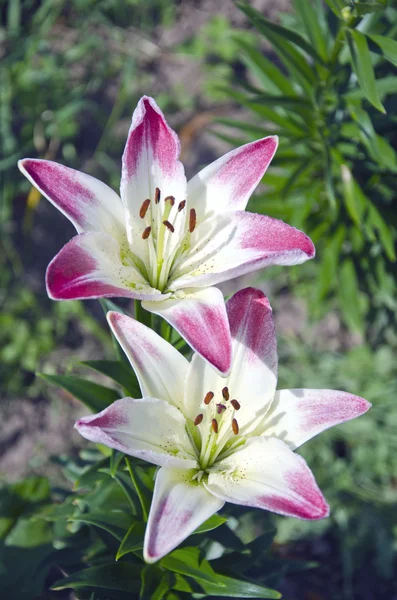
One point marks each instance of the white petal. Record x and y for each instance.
(89, 204)
(266, 474)
(200, 318)
(179, 506)
(147, 428)
(298, 415)
(161, 370)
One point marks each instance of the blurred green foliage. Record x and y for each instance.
(330, 94)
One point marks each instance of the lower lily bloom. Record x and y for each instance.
(218, 439)
(164, 241)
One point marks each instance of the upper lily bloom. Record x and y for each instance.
(164, 241)
(217, 439)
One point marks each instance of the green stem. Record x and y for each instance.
(141, 497)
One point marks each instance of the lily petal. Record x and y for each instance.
(200, 318)
(228, 183)
(266, 474)
(89, 266)
(257, 242)
(161, 370)
(147, 428)
(150, 161)
(179, 506)
(298, 415)
(87, 202)
(253, 376)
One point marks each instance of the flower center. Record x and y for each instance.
(217, 428)
(166, 230)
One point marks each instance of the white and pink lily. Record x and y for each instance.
(217, 439)
(167, 242)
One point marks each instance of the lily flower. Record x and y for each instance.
(217, 439)
(166, 242)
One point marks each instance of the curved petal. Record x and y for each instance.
(89, 204)
(200, 318)
(253, 375)
(179, 506)
(258, 241)
(298, 415)
(161, 370)
(266, 474)
(150, 161)
(89, 266)
(228, 183)
(147, 428)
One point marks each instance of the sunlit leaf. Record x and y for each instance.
(96, 397)
(362, 65)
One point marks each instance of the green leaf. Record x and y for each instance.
(265, 70)
(133, 540)
(119, 372)
(349, 295)
(353, 200)
(310, 20)
(189, 561)
(141, 490)
(29, 533)
(232, 588)
(114, 522)
(364, 8)
(96, 397)
(124, 577)
(384, 231)
(362, 66)
(210, 524)
(387, 46)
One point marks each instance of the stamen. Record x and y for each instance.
(214, 425)
(170, 199)
(208, 397)
(157, 196)
(192, 220)
(220, 408)
(198, 419)
(144, 207)
(181, 205)
(146, 233)
(235, 426)
(169, 226)
(235, 404)
(225, 393)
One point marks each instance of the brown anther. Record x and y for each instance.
(198, 419)
(214, 425)
(157, 196)
(144, 207)
(225, 393)
(170, 199)
(169, 226)
(235, 426)
(220, 408)
(235, 404)
(146, 233)
(208, 397)
(181, 205)
(192, 220)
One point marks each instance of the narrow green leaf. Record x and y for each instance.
(141, 490)
(362, 66)
(132, 541)
(336, 6)
(310, 19)
(268, 74)
(114, 522)
(119, 372)
(384, 231)
(365, 8)
(282, 101)
(236, 588)
(353, 200)
(189, 561)
(387, 45)
(96, 397)
(349, 295)
(124, 577)
(210, 524)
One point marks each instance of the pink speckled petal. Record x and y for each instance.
(150, 161)
(257, 242)
(179, 507)
(253, 376)
(161, 370)
(89, 266)
(89, 204)
(266, 474)
(200, 318)
(298, 415)
(147, 428)
(228, 183)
